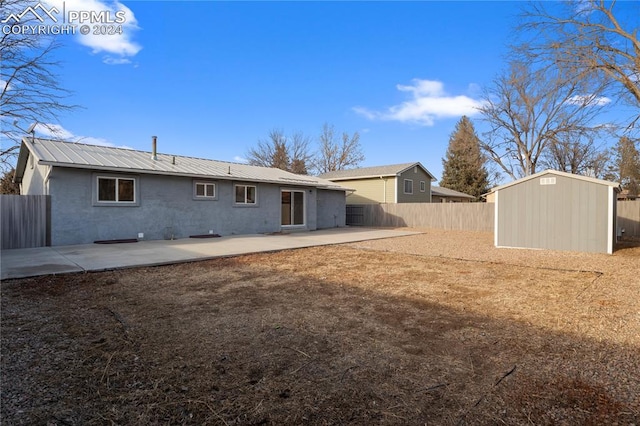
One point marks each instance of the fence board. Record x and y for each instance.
(24, 221)
(629, 217)
(460, 216)
(452, 216)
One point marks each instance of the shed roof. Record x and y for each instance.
(446, 192)
(557, 173)
(94, 157)
(376, 171)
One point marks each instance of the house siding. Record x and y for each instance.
(331, 208)
(571, 214)
(166, 208)
(416, 174)
(33, 181)
(371, 191)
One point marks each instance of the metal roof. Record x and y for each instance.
(376, 171)
(557, 173)
(446, 192)
(94, 157)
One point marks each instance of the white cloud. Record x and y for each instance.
(117, 47)
(3, 85)
(429, 102)
(589, 100)
(239, 159)
(56, 131)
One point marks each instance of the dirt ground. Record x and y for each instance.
(439, 328)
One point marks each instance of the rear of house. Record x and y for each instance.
(558, 211)
(104, 193)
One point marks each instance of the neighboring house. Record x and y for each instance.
(446, 195)
(557, 211)
(397, 183)
(104, 193)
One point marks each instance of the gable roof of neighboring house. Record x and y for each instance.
(373, 172)
(557, 173)
(94, 157)
(446, 192)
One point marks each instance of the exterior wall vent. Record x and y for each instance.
(548, 181)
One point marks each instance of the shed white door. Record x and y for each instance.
(292, 208)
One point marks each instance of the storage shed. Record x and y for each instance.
(556, 211)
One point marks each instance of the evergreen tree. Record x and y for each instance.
(7, 186)
(464, 165)
(627, 164)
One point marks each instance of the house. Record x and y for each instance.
(397, 183)
(105, 193)
(446, 195)
(557, 211)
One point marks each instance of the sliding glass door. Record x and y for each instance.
(292, 208)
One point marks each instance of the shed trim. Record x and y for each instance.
(611, 220)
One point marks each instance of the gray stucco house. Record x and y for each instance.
(106, 193)
(557, 211)
(395, 183)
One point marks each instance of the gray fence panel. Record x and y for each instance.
(454, 216)
(460, 216)
(24, 221)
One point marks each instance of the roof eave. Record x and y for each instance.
(21, 165)
(193, 175)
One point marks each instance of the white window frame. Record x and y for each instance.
(405, 186)
(117, 202)
(206, 185)
(245, 202)
(423, 186)
(304, 207)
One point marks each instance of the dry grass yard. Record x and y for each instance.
(439, 328)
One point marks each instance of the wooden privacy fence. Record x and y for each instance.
(24, 221)
(453, 216)
(460, 216)
(629, 217)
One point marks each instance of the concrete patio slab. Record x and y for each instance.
(22, 263)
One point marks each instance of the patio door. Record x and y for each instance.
(292, 207)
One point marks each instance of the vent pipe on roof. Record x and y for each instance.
(154, 147)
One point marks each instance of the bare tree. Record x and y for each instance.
(337, 154)
(30, 89)
(573, 154)
(588, 39)
(290, 154)
(527, 108)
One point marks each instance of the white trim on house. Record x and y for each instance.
(611, 220)
(495, 221)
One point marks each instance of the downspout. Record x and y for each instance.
(384, 189)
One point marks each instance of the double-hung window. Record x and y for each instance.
(113, 189)
(408, 186)
(204, 190)
(245, 194)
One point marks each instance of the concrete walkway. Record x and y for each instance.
(22, 263)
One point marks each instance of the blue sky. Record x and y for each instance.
(212, 78)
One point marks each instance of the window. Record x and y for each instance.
(408, 186)
(292, 208)
(423, 186)
(116, 190)
(204, 190)
(245, 194)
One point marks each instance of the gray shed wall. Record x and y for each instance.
(166, 207)
(570, 215)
